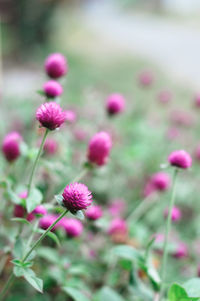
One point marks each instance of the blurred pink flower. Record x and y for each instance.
(180, 158)
(176, 214)
(56, 65)
(118, 226)
(115, 103)
(146, 78)
(11, 146)
(52, 89)
(165, 96)
(94, 212)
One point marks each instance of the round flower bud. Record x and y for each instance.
(118, 226)
(47, 220)
(176, 214)
(50, 115)
(76, 196)
(146, 78)
(181, 251)
(99, 148)
(94, 212)
(72, 226)
(160, 181)
(56, 65)
(52, 89)
(180, 158)
(115, 104)
(165, 96)
(50, 146)
(19, 211)
(71, 116)
(11, 146)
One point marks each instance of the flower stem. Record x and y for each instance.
(167, 230)
(36, 162)
(35, 245)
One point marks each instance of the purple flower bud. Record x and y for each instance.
(117, 207)
(19, 211)
(11, 146)
(52, 89)
(72, 226)
(47, 220)
(94, 212)
(50, 146)
(161, 181)
(180, 158)
(181, 251)
(115, 104)
(50, 115)
(146, 78)
(71, 116)
(99, 148)
(56, 65)
(176, 214)
(118, 226)
(76, 196)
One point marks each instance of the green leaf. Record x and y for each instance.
(59, 199)
(192, 287)
(13, 197)
(18, 271)
(20, 220)
(79, 214)
(34, 199)
(40, 92)
(18, 250)
(106, 293)
(178, 293)
(23, 149)
(51, 235)
(36, 282)
(127, 252)
(75, 294)
(48, 254)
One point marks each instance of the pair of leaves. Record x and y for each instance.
(34, 199)
(79, 214)
(189, 291)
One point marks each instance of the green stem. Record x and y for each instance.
(167, 231)
(36, 162)
(6, 286)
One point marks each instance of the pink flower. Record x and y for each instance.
(164, 96)
(176, 214)
(50, 115)
(116, 208)
(52, 89)
(118, 226)
(94, 212)
(197, 100)
(47, 220)
(148, 189)
(72, 226)
(182, 118)
(56, 65)
(71, 116)
(173, 133)
(80, 134)
(115, 103)
(198, 270)
(161, 181)
(181, 251)
(180, 158)
(19, 211)
(76, 196)
(99, 148)
(197, 152)
(11, 146)
(50, 146)
(146, 78)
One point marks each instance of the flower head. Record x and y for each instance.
(19, 211)
(47, 220)
(99, 148)
(180, 158)
(118, 226)
(115, 104)
(50, 146)
(76, 196)
(160, 181)
(50, 115)
(56, 65)
(164, 96)
(52, 89)
(94, 212)
(11, 146)
(146, 78)
(117, 207)
(72, 226)
(71, 116)
(176, 214)
(181, 251)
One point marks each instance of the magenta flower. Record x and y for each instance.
(146, 78)
(164, 96)
(47, 220)
(181, 251)
(161, 181)
(197, 152)
(76, 196)
(50, 146)
(19, 211)
(115, 104)
(72, 226)
(118, 226)
(52, 89)
(11, 146)
(197, 100)
(50, 115)
(116, 208)
(176, 214)
(56, 65)
(71, 116)
(180, 158)
(99, 148)
(94, 212)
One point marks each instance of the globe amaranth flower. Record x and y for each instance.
(50, 146)
(71, 116)
(19, 211)
(165, 96)
(176, 214)
(146, 78)
(117, 207)
(118, 226)
(52, 89)
(11, 146)
(72, 226)
(161, 181)
(56, 65)
(181, 251)
(180, 158)
(115, 103)
(76, 196)
(94, 212)
(50, 115)
(47, 220)
(99, 148)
